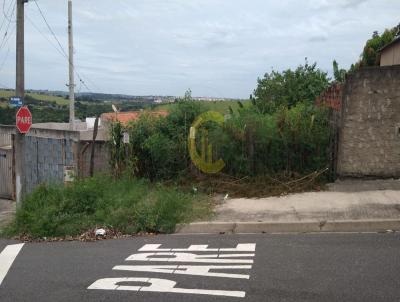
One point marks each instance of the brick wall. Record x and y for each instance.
(369, 135)
(331, 97)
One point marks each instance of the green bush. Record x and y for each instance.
(159, 144)
(124, 205)
(291, 141)
(289, 87)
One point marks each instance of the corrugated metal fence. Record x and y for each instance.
(6, 162)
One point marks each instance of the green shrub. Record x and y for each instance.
(289, 87)
(290, 141)
(125, 205)
(159, 144)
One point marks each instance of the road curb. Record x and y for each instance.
(210, 227)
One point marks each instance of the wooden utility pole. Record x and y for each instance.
(95, 130)
(71, 69)
(20, 92)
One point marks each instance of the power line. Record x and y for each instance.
(91, 82)
(60, 45)
(62, 53)
(79, 88)
(6, 17)
(44, 36)
(9, 35)
(50, 29)
(83, 82)
(8, 51)
(7, 29)
(5, 39)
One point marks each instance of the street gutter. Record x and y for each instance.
(343, 226)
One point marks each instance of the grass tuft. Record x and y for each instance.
(127, 206)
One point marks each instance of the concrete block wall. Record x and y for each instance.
(5, 135)
(40, 156)
(101, 158)
(45, 159)
(369, 135)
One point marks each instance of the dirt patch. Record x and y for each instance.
(7, 211)
(260, 186)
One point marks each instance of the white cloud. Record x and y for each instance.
(215, 47)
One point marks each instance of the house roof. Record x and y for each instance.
(125, 117)
(395, 40)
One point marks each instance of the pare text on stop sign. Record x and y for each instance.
(24, 119)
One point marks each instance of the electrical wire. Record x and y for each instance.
(83, 82)
(44, 36)
(6, 34)
(79, 88)
(8, 51)
(91, 82)
(50, 29)
(60, 46)
(4, 13)
(9, 35)
(6, 17)
(58, 50)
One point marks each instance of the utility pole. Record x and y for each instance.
(20, 92)
(71, 69)
(20, 72)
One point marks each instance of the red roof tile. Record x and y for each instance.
(125, 117)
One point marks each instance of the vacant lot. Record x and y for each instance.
(126, 206)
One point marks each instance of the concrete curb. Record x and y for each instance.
(210, 227)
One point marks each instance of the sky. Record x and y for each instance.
(217, 48)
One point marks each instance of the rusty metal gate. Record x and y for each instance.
(6, 172)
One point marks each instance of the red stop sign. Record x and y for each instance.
(23, 120)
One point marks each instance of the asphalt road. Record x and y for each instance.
(312, 267)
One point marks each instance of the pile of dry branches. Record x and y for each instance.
(260, 186)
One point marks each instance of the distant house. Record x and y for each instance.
(390, 54)
(125, 117)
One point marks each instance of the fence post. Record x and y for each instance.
(96, 128)
(250, 150)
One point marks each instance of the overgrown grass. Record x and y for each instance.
(127, 206)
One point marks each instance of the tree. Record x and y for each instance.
(289, 87)
(371, 52)
(339, 74)
(188, 95)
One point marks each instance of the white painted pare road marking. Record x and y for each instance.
(189, 257)
(241, 247)
(159, 286)
(7, 257)
(198, 270)
(222, 263)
